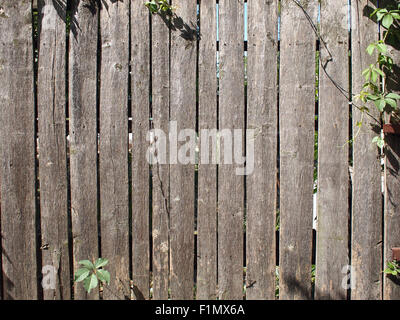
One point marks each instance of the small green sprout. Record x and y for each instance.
(92, 273)
(393, 268)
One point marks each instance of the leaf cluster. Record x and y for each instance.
(393, 268)
(374, 89)
(91, 273)
(159, 6)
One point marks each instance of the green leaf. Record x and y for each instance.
(391, 102)
(372, 97)
(90, 283)
(366, 71)
(387, 21)
(379, 71)
(381, 13)
(393, 96)
(153, 7)
(100, 263)
(374, 76)
(87, 264)
(395, 15)
(382, 48)
(380, 104)
(371, 49)
(367, 75)
(81, 274)
(104, 276)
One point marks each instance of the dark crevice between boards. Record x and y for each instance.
(196, 171)
(35, 48)
(350, 146)
(150, 167)
(245, 89)
(315, 189)
(277, 212)
(217, 125)
(316, 149)
(98, 92)
(380, 4)
(129, 159)
(68, 166)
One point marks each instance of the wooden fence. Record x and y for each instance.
(82, 77)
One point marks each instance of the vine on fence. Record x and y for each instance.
(160, 6)
(376, 75)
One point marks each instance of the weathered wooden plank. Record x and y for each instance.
(333, 164)
(113, 166)
(297, 118)
(83, 135)
(391, 290)
(140, 70)
(183, 111)
(17, 151)
(160, 171)
(230, 185)
(207, 174)
(262, 118)
(366, 255)
(52, 146)
(392, 221)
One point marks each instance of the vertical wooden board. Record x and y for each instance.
(83, 135)
(160, 171)
(392, 181)
(391, 216)
(207, 174)
(297, 118)
(230, 185)
(183, 111)
(333, 164)
(140, 70)
(113, 167)
(52, 146)
(17, 152)
(262, 118)
(366, 255)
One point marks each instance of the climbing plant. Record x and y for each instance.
(375, 89)
(159, 6)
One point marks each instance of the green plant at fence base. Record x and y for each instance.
(393, 268)
(92, 273)
(160, 6)
(376, 75)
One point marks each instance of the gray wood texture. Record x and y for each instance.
(231, 117)
(262, 115)
(183, 111)
(52, 147)
(207, 174)
(140, 89)
(17, 152)
(392, 184)
(113, 148)
(367, 237)
(333, 163)
(83, 136)
(297, 118)
(160, 172)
